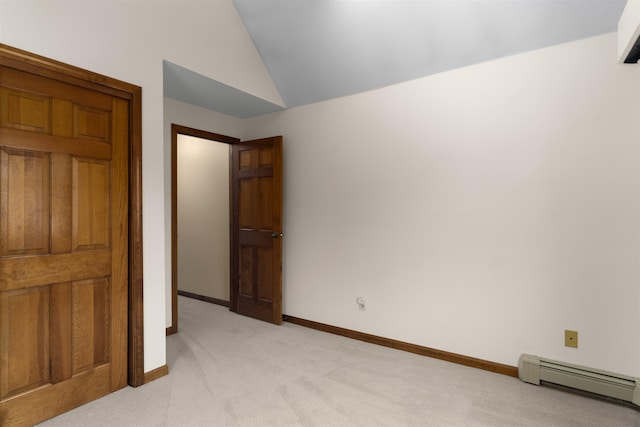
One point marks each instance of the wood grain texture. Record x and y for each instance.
(64, 172)
(46, 67)
(37, 85)
(135, 376)
(36, 406)
(77, 80)
(61, 203)
(24, 202)
(27, 189)
(156, 373)
(91, 205)
(24, 348)
(90, 324)
(264, 277)
(61, 332)
(28, 271)
(256, 255)
(25, 110)
(119, 240)
(91, 123)
(473, 362)
(247, 211)
(20, 140)
(62, 128)
(247, 262)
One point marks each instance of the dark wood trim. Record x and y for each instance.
(56, 70)
(156, 373)
(234, 232)
(184, 130)
(136, 303)
(174, 230)
(175, 131)
(486, 365)
(204, 298)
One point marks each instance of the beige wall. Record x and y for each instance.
(203, 217)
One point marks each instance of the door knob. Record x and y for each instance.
(276, 235)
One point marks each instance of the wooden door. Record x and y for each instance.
(256, 238)
(63, 246)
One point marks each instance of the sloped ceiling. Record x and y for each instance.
(322, 49)
(188, 86)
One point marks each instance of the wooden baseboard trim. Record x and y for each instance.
(486, 365)
(171, 330)
(155, 374)
(204, 298)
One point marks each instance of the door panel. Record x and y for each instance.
(24, 349)
(26, 111)
(90, 204)
(257, 229)
(265, 273)
(91, 123)
(24, 207)
(63, 246)
(89, 302)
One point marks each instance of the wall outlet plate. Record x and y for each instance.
(571, 338)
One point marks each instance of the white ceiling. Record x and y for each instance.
(322, 49)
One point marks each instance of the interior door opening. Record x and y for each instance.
(200, 217)
(254, 221)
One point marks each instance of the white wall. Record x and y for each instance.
(481, 211)
(203, 217)
(119, 39)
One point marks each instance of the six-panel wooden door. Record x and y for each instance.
(256, 247)
(63, 246)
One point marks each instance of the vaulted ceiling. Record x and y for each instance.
(321, 49)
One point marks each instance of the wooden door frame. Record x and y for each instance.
(175, 131)
(38, 65)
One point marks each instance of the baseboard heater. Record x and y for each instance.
(536, 370)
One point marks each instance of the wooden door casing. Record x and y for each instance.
(64, 153)
(256, 247)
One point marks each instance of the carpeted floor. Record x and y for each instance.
(229, 370)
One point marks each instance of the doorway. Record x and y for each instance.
(200, 220)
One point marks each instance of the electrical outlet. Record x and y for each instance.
(362, 303)
(571, 338)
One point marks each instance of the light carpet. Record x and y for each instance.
(229, 370)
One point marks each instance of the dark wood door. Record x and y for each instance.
(256, 241)
(63, 246)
